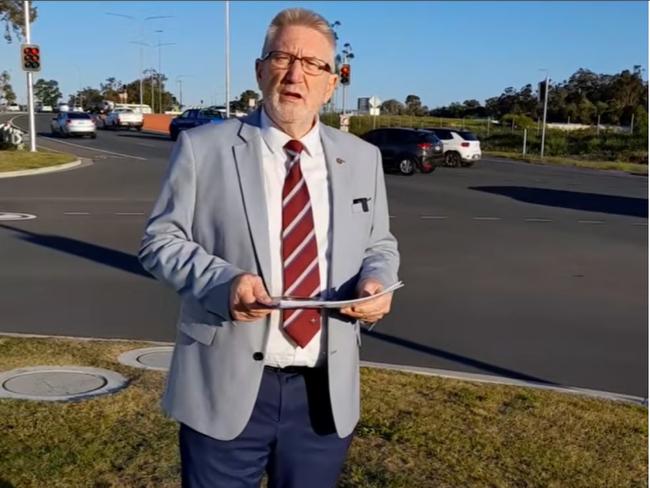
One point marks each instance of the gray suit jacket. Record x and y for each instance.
(210, 225)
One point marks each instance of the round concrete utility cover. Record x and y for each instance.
(156, 358)
(16, 216)
(59, 383)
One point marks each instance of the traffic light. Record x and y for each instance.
(345, 74)
(31, 57)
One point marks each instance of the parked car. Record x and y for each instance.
(13, 107)
(193, 118)
(73, 124)
(124, 117)
(63, 107)
(45, 108)
(461, 147)
(407, 149)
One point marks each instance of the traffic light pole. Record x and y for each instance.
(30, 87)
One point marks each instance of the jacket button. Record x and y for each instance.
(258, 356)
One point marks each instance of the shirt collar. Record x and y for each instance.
(275, 138)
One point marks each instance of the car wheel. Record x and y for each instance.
(93, 136)
(453, 159)
(406, 167)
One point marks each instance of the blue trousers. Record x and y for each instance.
(290, 435)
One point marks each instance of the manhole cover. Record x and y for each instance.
(59, 383)
(54, 383)
(16, 216)
(158, 358)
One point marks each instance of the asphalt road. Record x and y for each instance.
(531, 272)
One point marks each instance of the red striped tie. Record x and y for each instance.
(299, 251)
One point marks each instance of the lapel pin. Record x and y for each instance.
(340, 161)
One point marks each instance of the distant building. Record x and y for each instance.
(363, 105)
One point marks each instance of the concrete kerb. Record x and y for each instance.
(457, 375)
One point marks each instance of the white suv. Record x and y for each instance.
(461, 147)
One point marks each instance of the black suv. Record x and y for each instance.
(407, 149)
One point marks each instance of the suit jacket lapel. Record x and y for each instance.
(248, 157)
(339, 174)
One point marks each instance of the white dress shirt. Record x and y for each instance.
(280, 350)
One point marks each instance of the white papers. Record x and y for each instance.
(288, 302)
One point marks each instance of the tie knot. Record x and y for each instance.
(294, 147)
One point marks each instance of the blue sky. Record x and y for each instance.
(440, 51)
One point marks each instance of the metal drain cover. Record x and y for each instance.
(16, 216)
(156, 358)
(59, 383)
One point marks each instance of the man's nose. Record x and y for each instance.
(295, 72)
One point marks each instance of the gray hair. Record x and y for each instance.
(302, 17)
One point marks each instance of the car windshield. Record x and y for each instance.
(75, 115)
(124, 111)
(428, 137)
(468, 136)
(210, 114)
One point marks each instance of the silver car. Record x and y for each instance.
(73, 123)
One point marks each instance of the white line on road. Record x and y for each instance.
(591, 221)
(486, 218)
(95, 149)
(538, 220)
(76, 213)
(433, 217)
(129, 213)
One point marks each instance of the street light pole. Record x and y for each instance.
(30, 88)
(227, 59)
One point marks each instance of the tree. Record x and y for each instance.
(392, 107)
(6, 90)
(47, 92)
(111, 88)
(414, 105)
(242, 103)
(11, 13)
(88, 98)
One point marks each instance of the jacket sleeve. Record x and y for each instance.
(168, 250)
(381, 257)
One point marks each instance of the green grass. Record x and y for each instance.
(415, 432)
(21, 160)
(634, 168)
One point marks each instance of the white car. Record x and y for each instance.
(64, 107)
(124, 117)
(73, 124)
(13, 107)
(45, 108)
(461, 147)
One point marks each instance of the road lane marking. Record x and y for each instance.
(591, 221)
(76, 213)
(95, 149)
(129, 213)
(641, 223)
(433, 217)
(538, 220)
(486, 218)
(16, 216)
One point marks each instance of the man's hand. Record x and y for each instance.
(247, 298)
(370, 311)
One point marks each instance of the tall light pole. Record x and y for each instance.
(160, 81)
(227, 59)
(30, 88)
(179, 80)
(141, 44)
(151, 72)
(142, 20)
(337, 62)
(544, 118)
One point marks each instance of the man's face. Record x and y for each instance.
(291, 96)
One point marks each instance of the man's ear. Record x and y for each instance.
(331, 85)
(258, 72)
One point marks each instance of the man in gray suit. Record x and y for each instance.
(273, 204)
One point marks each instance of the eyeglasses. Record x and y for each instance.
(310, 65)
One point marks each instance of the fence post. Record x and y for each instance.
(525, 134)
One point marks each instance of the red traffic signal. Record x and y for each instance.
(31, 57)
(344, 72)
